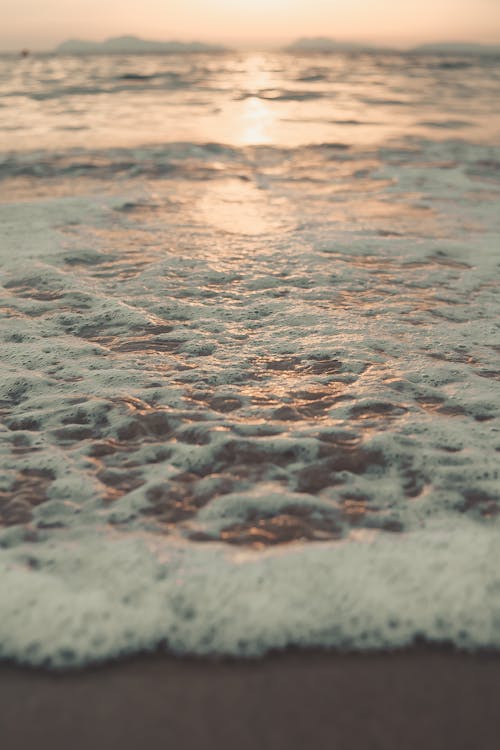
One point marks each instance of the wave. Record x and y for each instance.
(249, 395)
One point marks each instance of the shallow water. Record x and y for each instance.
(250, 353)
(245, 99)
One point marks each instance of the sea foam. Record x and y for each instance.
(249, 390)
(98, 597)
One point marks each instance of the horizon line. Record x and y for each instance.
(249, 44)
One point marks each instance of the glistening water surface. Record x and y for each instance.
(250, 353)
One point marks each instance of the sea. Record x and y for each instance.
(250, 353)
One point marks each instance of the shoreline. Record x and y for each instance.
(422, 697)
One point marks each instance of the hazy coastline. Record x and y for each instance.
(134, 45)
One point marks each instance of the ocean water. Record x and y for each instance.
(250, 354)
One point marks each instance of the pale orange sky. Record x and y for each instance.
(41, 24)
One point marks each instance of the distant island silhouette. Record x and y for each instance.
(458, 48)
(329, 45)
(132, 45)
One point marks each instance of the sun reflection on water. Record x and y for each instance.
(252, 120)
(239, 207)
(238, 99)
(257, 120)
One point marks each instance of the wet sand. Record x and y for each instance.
(417, 699)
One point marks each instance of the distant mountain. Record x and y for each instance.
(325, 44)
(130, 45)
(457, 48)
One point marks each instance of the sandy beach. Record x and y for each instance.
(420, 698)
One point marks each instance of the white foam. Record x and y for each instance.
(103, 596)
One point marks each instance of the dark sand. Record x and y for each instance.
(422, 698)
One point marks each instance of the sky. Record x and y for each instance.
(42, 24)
